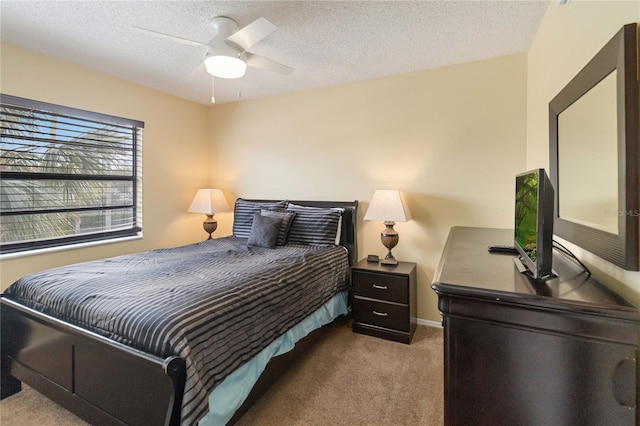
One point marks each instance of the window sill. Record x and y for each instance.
(37, 252)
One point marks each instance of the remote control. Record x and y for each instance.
(502, 249)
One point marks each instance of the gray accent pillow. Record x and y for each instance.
(243, 214)
(264, 231)
(287, 219)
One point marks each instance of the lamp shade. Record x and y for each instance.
(387, 205)
(209, 202)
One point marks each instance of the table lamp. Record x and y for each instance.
(387, 205)
(209, 202)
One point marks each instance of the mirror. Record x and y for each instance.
(593, 134)
(582, 127)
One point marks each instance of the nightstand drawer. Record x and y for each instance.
(388, 315)
(386, 287)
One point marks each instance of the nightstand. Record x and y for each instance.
(384, 300)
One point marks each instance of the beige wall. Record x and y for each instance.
(452, 139)
(174, 150)
(568, 37)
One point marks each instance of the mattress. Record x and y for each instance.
(216, 304)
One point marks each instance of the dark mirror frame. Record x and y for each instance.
(621, 54)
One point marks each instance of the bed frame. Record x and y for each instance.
(105, 382)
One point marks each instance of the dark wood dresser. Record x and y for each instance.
(384, 300)
(560, 352)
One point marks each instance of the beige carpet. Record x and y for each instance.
(345, 379)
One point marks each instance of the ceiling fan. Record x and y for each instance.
(227, 54)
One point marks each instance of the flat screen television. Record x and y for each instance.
(533, 230)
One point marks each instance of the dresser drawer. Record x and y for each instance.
(381, 314)
(386, 287)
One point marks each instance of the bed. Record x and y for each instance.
(140, 339)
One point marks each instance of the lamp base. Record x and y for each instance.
(389, 238)
(210, 225)
(389, 262)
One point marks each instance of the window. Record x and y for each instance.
(66, 175)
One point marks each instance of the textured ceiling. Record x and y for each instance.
(327, 42)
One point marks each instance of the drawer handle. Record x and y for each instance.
(380, 287)
(380, 314)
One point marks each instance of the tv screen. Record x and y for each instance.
(533, 230)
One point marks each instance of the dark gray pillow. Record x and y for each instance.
(243, 214)
(264, 231)
(287, 218)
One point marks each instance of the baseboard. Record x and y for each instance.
(429, 323)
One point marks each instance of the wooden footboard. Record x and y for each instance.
(99, 380)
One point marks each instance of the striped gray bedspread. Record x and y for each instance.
(216, 303)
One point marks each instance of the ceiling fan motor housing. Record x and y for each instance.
(224, 27)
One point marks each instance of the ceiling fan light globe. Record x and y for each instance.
(225, 66)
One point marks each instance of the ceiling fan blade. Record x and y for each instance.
(267, 64)
(168, 37)
(252, 33)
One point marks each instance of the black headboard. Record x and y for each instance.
(348, 237)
